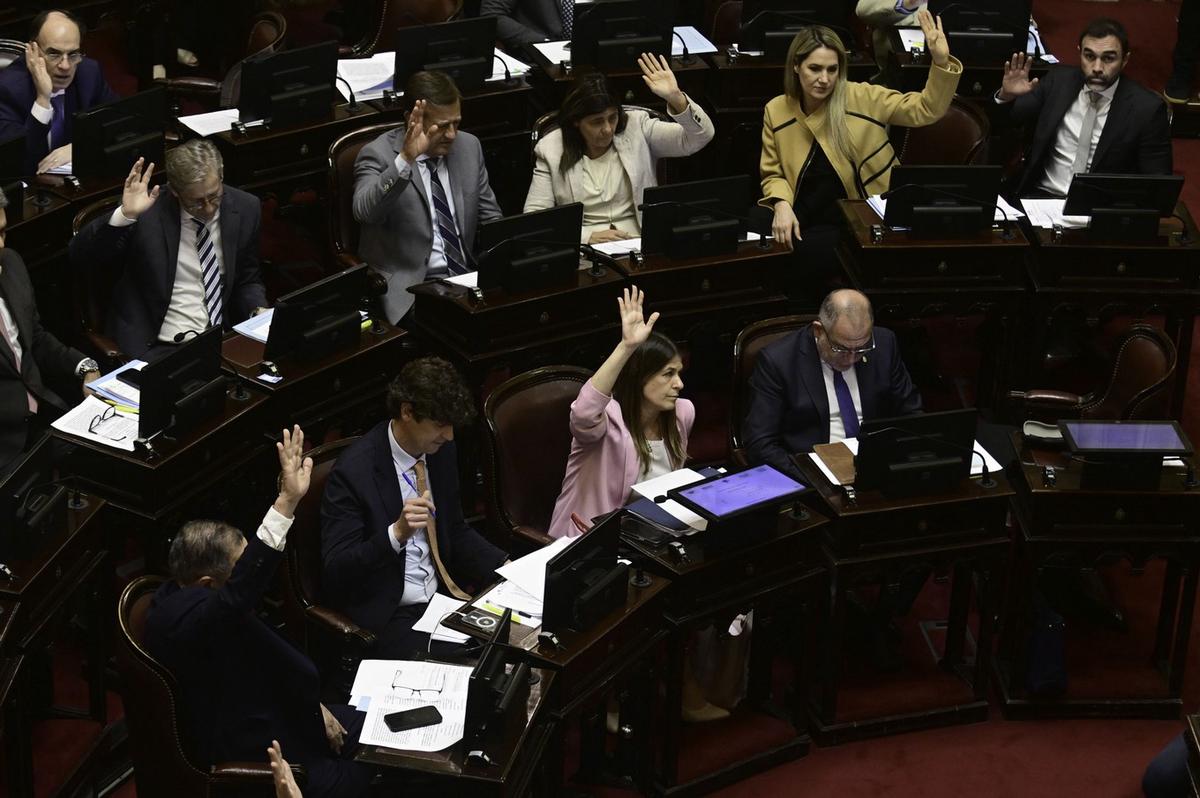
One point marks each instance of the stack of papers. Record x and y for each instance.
(213, 122)
(616, 249)
(1048, 213)
(256, 328)
(1004, 211)
(118, 430)
(697, 44)
(913, 38)
(439, 608)
(385, 686)
(109, 387)
(852, 445)
(527, 577)
(658, 487)
(371, 77)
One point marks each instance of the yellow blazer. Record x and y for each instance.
(788, 134)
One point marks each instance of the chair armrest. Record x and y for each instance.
(106, 349)
(339, 624)
(528, 534)
(1048, 398)
(194, 85)
(241, 773)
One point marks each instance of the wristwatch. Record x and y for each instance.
(86, 365)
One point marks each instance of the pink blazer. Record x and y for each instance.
(603, 465)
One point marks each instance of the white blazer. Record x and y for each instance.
(644, 140)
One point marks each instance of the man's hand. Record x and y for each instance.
(137, 196)
(335, 733)
(785, 226)
(295, 471)
(415, 516)
(416, 138)
(604, 236)
(36, 63)
(936, 43)
(89, 376)
(56, 157)
(285, 782)
(657, 74)
(1016, 80)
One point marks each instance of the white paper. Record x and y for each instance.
(617, 249)
(214, 121)
(368, 77)
(1047, 213)
(554, 52)
(913, 37)
(118, 432)
(62, 169)
(1004, 211)
(515, 67)
(529, 572)
(509, 595)
(976, 466)
(412, 685)
(697, 42)
(653, 488)
(109, 387)
(256, 328)
(469, 279)
(440, 607)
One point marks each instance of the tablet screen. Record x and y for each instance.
(739, 491)
(1128, 436)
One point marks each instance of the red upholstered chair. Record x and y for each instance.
(727, 23)
(161, 765)
(746, 348)
(91, 292)
(343, 229)
(959, 137)
(392, 14)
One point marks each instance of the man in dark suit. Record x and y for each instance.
(40, 93)
(381, 565)
(242, 684)
(1123, 125)
(521, 23)
(420, 191)
(30, 357)
(819, 383)
(190, 262)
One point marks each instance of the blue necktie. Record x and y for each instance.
(58, 121)
(845, 404)
(210, 273)
(445, 220)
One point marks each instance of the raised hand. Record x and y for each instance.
(936, 43)
(285, 782)
(137, 196)
(36, 63)
(785, 226)
(657, 74)
(295, 471)
(1016, 80)
(416, 138)
(635, 328)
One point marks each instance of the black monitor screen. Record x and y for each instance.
(703, 217)
(173, 385)
(938, 191)
(1093, 191)
(572, 569)
(611, 34)
(320, 318)
(914, 453)
(12, 157)
(770, 25)
(288, 87)
(107, 139)
(1007, 17)
(463, 49)
(531, 250)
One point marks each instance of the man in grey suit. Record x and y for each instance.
(520, 23)
(419, 193)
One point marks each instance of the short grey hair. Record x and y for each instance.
(851, 303)
(203, 548)
(192, 162)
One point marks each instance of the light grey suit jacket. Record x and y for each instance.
(393, 208)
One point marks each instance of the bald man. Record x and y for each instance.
(818, 384)
(41, 92)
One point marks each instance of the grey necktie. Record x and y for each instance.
(1085, 132)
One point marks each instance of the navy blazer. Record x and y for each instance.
(242, 684)
(17, 96)
(1136, 138)
(789, 410)
(148, 250)
(362, 574)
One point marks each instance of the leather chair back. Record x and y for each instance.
(1141, 373)
(92, 287)
(746, 349)
(267, 32)
(343, 229)
(529, 438)
(10, 50)
(392, 14)
(959, 137)
(727, 23)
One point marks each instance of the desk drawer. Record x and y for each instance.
(1116, 517)
(945, 267)
(1101, 267)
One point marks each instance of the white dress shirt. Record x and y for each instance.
(1061, 161)
(46, 115)
(837, 430)
(437, 256)
(274, 528)
(420, 577)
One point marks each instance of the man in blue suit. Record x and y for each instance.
(242, 684)
(818, 384)
(40, 93)
(392, 526)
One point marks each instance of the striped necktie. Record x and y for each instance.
(210, 274)
(455, 263)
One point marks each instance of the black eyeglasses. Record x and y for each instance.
(419, 693)
(98, 421)
(857, 351)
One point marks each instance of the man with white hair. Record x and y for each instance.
(190, 261)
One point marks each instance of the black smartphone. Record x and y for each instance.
(412, 719)
(131, 377)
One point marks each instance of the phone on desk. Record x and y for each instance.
(412, 719)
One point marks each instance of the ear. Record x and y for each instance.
(206, 581)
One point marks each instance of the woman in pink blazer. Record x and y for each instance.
(628, 422)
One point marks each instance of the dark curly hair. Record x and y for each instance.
(434, 389)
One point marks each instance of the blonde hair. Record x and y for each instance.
(192, 162)
(806, 42)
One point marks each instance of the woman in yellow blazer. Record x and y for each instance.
(826, 139)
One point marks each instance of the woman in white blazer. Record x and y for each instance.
(605, 157)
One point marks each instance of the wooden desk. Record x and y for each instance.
(979, 80)
(516, 750)
(1069, 525)
(961, 530)
(714, 585)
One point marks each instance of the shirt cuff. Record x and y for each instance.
(43, 115)
(996, 97)
(274, 528)
(119, 219)
(402, 165)
(397, 546)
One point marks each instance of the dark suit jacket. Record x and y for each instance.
(43, 358)
(1135, 140)
(362, 575)
(242, 684)
(789, 411)
(17, 95)
(148, 250)
(522, 22)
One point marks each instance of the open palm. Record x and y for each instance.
(635, 328)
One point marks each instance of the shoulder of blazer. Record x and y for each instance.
(778, 113)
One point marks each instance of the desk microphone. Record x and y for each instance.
(985, 480)
(686, 58)
(240, 394)
(757, 222)
(353, 104)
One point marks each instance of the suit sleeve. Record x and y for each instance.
(349, 551)
(245, 587)
(53, 357)
(1023, 110)
(511, 33)
(589, 415)
(763, 425)
(541, 187)
(1154, 145)
(774, 184)
(249, 288)
(377, 184)
(691, 130)
(489, 209)
(99, 244)
(879, 13)
(904, 394)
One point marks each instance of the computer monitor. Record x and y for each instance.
(1123, 455)
(611, 34)
(768, 26)
(531, 251)
(984, 31)
(492, 686)
(584, 581)
(12, 158)
(320, 318)
(943, 201)
(32, 502)
(107, 139)
(183, 387)
(289, 87)
(1123, 207)
(464, 49)
(913, 455)
(703, 217)
(725, 497)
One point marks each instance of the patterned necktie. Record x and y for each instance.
(431, 534)
(451, 246)
(845, 404)
(58, 121)
(1085, 132)
(210, 273)
(567, 9)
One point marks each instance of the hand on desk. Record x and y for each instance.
(285, 782)
(604, 236)
(415, 516)
(137, 196)
(57, 157)
(334, 731)
(295, 471)
(785, 226)
(1016, 80)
